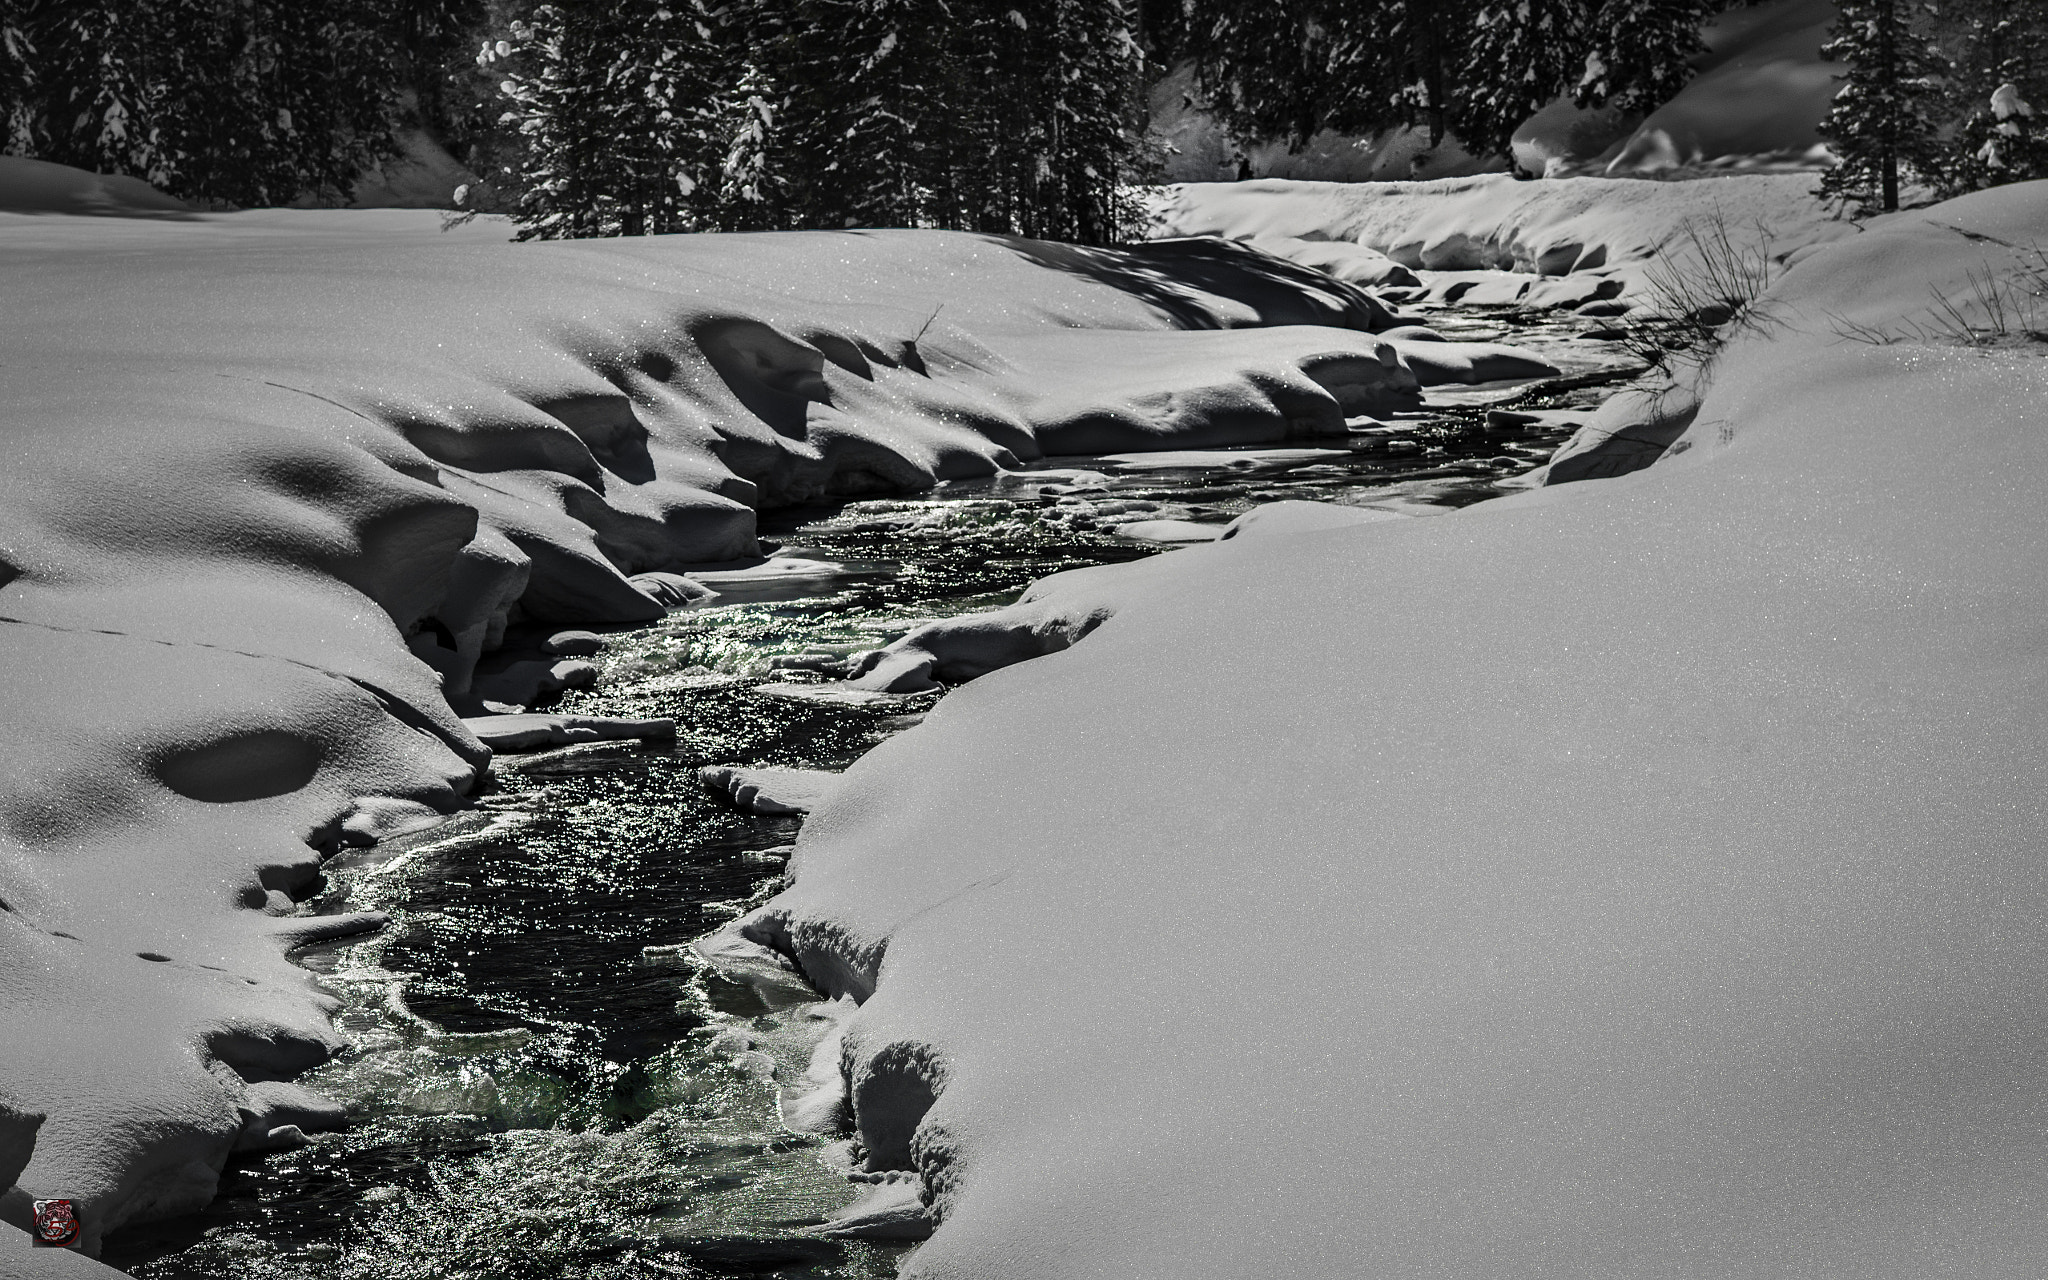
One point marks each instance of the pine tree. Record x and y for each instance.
(1080, 91)
(1427, 39)
(17, 84)
(1997, 85)
(624, 111)
(236, 101)
(868, 112)
(1883, 122)
(1521, 55)
(1639, 52)
(1291, 68)
(1473, 68)
(2006, 141)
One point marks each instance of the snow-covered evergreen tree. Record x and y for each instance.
(1079, 89)
(1520, 56)
(1473, 68)
(1997, 85)
(1639, 52)
(1884, 121)
(1428, 40)
(17, 85)
(1286, 68)
(238, 101)
(625, 113)
(870, 106)
(2006, 141)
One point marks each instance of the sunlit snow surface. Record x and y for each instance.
(1628, 878)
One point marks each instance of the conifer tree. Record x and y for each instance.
(1427, 38)
(625, 115)
(1474, 68)
(1639, 52)
(1082, 122)
(17, 86)
(1997, 85)
(1883, 122)
(2006, 141)
(1280, 68)
(868, 113)
(1521, 55)
(238, 101)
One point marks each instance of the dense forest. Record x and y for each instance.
(606, 117)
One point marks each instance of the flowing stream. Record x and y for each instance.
(541, 1083)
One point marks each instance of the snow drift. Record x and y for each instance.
(278, 481)
(1555, 227)
(1632, 878)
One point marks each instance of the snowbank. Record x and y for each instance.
(1629, 878)
(1552, 227)
(37, 186)
(278, 481)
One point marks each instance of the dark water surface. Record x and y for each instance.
(534, 1092)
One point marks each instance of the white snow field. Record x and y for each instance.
(275, 481)
(1639, 878)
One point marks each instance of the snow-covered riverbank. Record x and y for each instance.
(1624, 877)
(1628, 878)
(277, 481)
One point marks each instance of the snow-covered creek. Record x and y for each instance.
(540, 1081)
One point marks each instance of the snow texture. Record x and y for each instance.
(1632, 878)
(279, 484)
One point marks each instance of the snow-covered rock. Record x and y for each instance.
(528, 731)
(771, 789)
(1627, 878)
(1629, 431)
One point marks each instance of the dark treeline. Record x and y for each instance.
(229, 101)
(606, 117)
(635, 116)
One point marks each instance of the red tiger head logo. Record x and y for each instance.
(56, 1223)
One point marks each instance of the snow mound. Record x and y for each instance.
(771, 790)
(1551, 228)
(1627, 878)
(37, 186)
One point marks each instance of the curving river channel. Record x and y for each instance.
(540, 1081)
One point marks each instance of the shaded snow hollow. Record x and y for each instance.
(275, 480)
(1635, 878)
